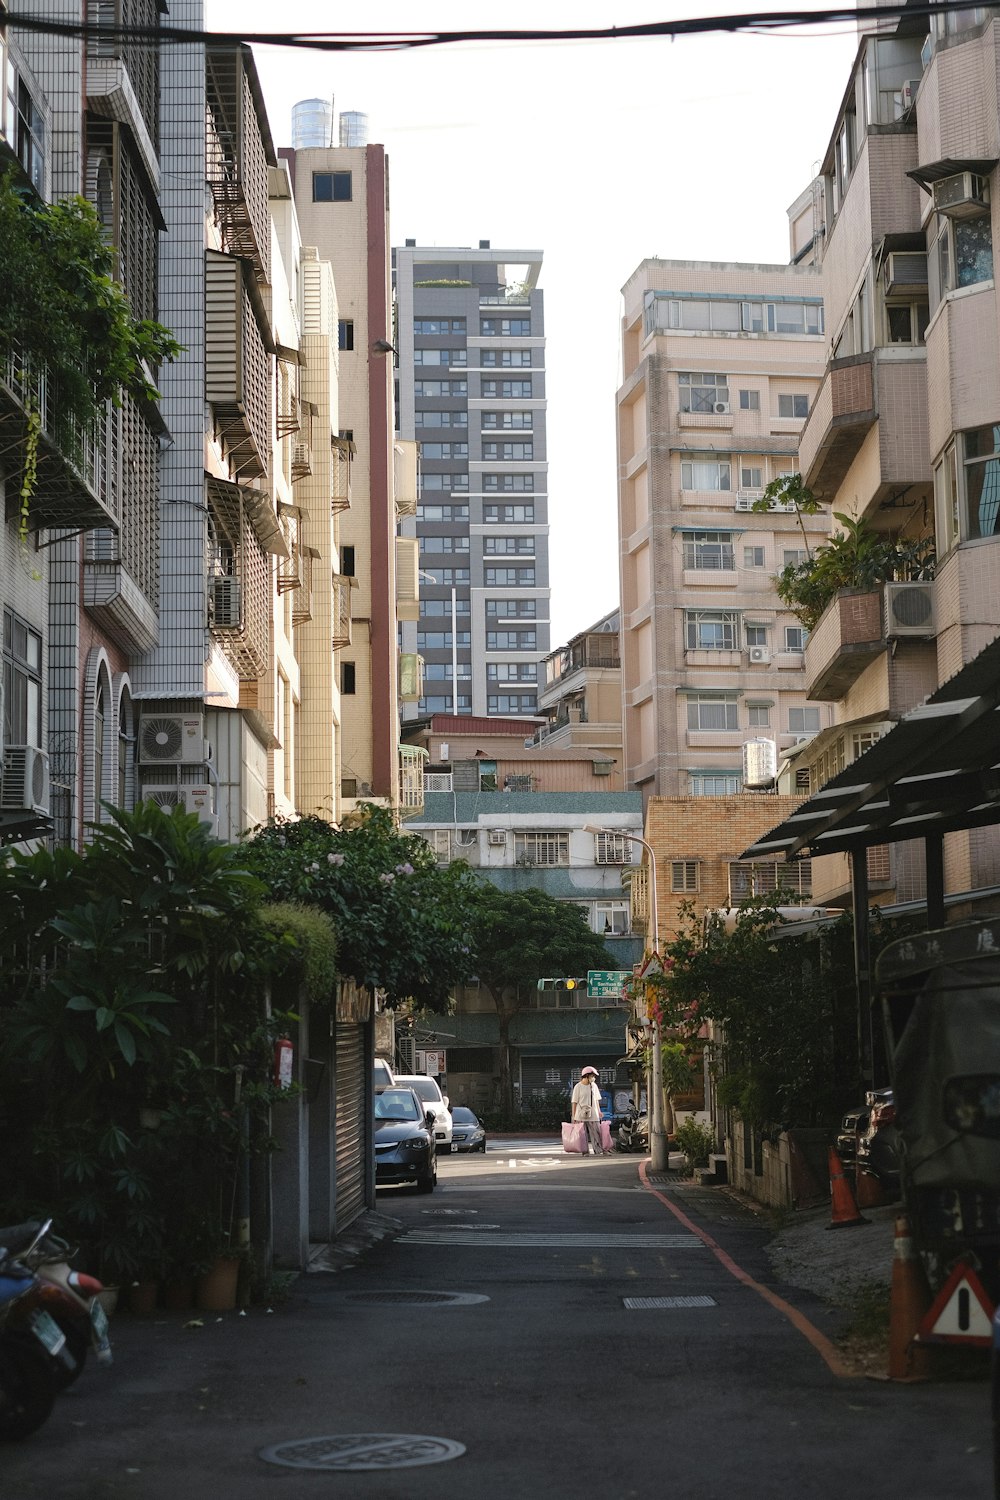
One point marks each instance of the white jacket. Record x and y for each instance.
(586, 1101)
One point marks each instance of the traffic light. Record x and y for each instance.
(563, 984)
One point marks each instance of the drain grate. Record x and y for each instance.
(418, 1299)
(362, 1451)
(641, 1304)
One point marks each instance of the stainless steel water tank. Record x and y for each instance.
(312, 124)
(760, 764)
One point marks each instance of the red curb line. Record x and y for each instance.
(819, 1341)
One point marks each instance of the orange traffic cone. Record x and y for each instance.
(909, 1300)
(845, 1209)
(868, 1191)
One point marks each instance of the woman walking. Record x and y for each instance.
(586, 1106)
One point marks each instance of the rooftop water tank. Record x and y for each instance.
(312, 124)
(353, 128)
(760, 764)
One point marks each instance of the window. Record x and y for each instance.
(541, 848)
(503, 609)
(793, 406)
(442, 512)
(509, 578)
(701, 393)
(451, 575)
(711, 630)
(754, 635)
(332, 187)
(444, 482)
(99, 732)
(440, 842)
(22, 683)
(444, 543)
(803, 721)
(511, 703)
(612, 849)
(793, 557)
(508, 546)
(706, 474)
(447, 357)
(749, 400)
(348, 677)
(762, 878)
(440, 640)
(511, 640)
(441, 418)
(713, 783)
(440, 671)
(505, 359)
(712, 711)
(512, 671)
(507, 390)
(684, 875)
(507, 420)
(30, 126)
(759, 715)
(125, 742)
(509, 482)
(981, 466)
(754, 557)
(347, 564)
(345, 333)
(906, 322)
(751, 477)
(435, 608)
(432, 388)
(795, 637)
(509, 452)
(435, 326)
(965, 252)
(505, 327)
(729, 315)
(509, 514)
(443, 704)
(611, 918)
(946, 499)
(708, 550)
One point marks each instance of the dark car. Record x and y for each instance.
(855, 1122)
(467, 1133)
(404, 1141)
(878, 1140)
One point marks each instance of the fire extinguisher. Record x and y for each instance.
(284, 1054)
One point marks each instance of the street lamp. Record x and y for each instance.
(454, 641)
(657, 1135)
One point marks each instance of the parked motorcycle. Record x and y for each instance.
(633, 1132)
(29, 1342)
(71, 1298)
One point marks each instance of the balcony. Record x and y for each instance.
(842, 415)
(848, 636)
(237, 372)
(412, 760)
(72, 484)
(340, 476)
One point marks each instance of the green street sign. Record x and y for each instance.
(606, 984)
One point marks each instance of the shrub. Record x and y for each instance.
(696, 1141)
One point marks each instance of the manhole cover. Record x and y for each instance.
(416, 1299)
(360, 1451)
(642, 1303)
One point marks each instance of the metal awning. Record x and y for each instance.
(936, 772)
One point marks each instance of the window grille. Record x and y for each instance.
(541, 848)
(762, 878)
(612, 849)
(684, 875)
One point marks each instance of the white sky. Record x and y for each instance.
(598, 153)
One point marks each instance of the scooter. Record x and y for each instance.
(69, 1297)
(633, 1132)
(29, 1342)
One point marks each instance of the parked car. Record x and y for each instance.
(878, 1141)
(855, 1122)
(404, 1141)
(383, 1074)
(426, 1089)
(467, 1132)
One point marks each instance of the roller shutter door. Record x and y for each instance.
(350, 1144)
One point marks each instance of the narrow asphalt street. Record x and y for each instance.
(509, 1322)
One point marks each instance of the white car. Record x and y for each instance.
(431, 1097)
(383, 1075)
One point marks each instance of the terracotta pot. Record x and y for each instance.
(142, 1296)
(215, 1290)
(178, 1296)
(108, 1298)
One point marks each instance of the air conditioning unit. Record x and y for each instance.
(25, 785)
(172, 740)
(198, 799)
(164, 796)
(909, 610)
(908, 93)
(760, 654)
(498, 838)
(963, 196)
(904, 273)
(227, 603)
(721, 408)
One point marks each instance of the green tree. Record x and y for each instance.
(789, 489)
(519, 937)
(402, 920)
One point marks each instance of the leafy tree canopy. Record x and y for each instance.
(519, 937)
(402, 920)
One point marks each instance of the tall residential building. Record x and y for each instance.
(720, 368)
(470, 338)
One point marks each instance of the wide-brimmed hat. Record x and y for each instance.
(585, 1071)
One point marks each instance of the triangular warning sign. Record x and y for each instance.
(653, 965)
(962, 1312)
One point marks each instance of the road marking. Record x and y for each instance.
(642, 1304)
(593, 1241)
(819, 1341)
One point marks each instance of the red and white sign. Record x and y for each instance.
(962, 1312)
(284, 1054)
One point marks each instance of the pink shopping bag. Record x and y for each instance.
(605, 1135)
(574, 1137)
